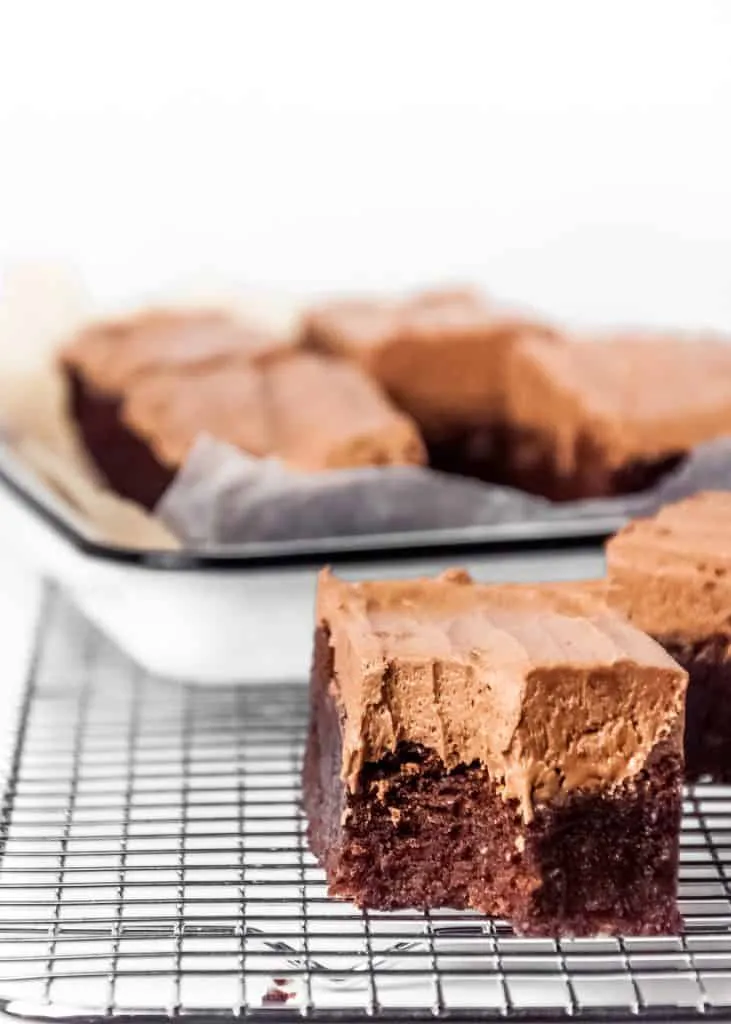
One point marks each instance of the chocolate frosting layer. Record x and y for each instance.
(110, 355)
(169, 410)
(672, 573)
(638, 396)
(544, 685)
(312, 411)
(441, 355)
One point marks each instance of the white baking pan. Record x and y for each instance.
(245, 613)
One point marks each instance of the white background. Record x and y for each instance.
(574, 155)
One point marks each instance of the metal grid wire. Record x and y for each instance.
(154, 865)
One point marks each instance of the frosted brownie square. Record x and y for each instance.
(671, 574)
(104, 361)
(442, 356)
(609, 415)
(513, 749)
(311, 411)
(143, 389)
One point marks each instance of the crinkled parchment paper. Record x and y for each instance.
(223, 496)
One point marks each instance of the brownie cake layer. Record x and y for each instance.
(708, 706)
(505, 454)
(417, 834)
(441, 356)
(590, 418)
(473, 451)
(494, 748)
(671, 575)
(123, 459)
(528, 461)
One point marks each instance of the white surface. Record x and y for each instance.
(572, 155)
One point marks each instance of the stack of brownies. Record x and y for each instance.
(441, 377)
(520, 750)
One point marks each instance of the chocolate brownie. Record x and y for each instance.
(441, 356)
(312, 411)
(513, 749)
(102, 362)
(143, 389)
(671, 575)
(608, 416)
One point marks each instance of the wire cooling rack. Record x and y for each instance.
(153, 866)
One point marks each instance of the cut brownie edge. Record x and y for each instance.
(529, 463)
(322, 787)
(415, 835)
(124, 460)
(503, 454)
(477, 452)
(708, 706)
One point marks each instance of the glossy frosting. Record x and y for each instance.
(312, 411)
(672, 573)
(441, 354)
(110, 355)
(637, 396)
(544, 685)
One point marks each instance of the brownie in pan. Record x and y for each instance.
(312, 411)
(142, 390)
(443, 357)
(104, 361)
(610, 415)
